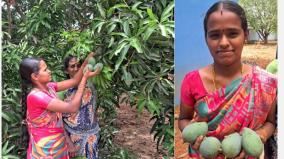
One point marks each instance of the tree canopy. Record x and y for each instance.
(261, 16)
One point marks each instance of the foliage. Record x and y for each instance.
(133, 39)
(261, 16)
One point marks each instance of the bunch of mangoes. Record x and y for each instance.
(92, 65)
(230, 146)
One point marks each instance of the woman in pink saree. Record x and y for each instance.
(228, 94)
(42, 110)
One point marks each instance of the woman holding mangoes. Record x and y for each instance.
(228, 95)
(82, 126)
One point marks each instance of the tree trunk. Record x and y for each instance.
(9, 20)
(265, 38)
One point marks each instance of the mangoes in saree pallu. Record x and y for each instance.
(232, 145)
(251, 142)
(193, 130)
(210, 147)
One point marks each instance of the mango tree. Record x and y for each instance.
(132, 39)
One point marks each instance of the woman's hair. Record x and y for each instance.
(27, 67)
(66, 63)
(229, 6)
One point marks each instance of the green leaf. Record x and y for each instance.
(10, 157)
(167, 12)
(121, 57)
(4, 148)
(140, 105)
(127, 77)
(99, 26)
(111, 42)
(46, 24)
(120, 34)
(126, 28)
(163, 30)
(152, 15)
(118, 49)
(162, 88)
(153, 107)
(134, 6)
(117, 6)
(6, 117)
(170, 131)
(148, 33)
(136, 44)
(111, 28)
(101, 10)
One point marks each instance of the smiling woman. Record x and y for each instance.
(227, 94)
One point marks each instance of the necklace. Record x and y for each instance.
(214, 75)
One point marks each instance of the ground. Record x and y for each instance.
(257, 54)
(134, 133)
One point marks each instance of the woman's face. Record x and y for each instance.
(225, 37)
(73, 67)
(44, 74)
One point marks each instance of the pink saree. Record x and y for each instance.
(245, 102)
(47, 140)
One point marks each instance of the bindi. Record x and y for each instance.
(221, 8)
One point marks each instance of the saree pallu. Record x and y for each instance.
(51, 146)
(47, 139)
(245, 102)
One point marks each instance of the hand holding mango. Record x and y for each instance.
(231, 145)
(86, 61)
(93, 67)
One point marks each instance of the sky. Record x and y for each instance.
(191, 51)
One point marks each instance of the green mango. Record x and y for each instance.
(92, 61)
(192, 131)
(210, 147)
(251, 142)
(61, 94)
(232, 145)
(90, 68)
(98, 65)
(272, 67)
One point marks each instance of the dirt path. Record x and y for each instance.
(134, 133)
(180, 147)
